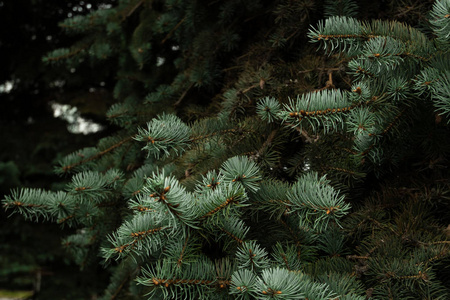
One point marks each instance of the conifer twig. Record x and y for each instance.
(134, 8)
(173, 30)
(267, 142)
(183, 95)
(304, 133)
(98, 155)
(122, 284)
(67, 55)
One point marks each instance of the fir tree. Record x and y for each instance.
(248, 165)
(32, 139)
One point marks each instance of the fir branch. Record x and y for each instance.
(440, 19)
(143, 231)
(288, 258)
(68, 168)
(212, 134)
(276, 282)
(243, 283)
(266, 143)
(62, 54)
(178, 281)
(180, 258)
(232, 236)
(210, 181)
(317, 205)
(165, 133)
(347, 171)
(294, 236)
(165, 194)
(234, 228)
(241, 170)
(322, 109)
(383, 132)
(193, 281)
(346, 8)
(124, 281)
(65, 219)
(183, 95)
(29, 202)
(133, 9)
(268, 108)
(169, 35)
(252, 256)
(227, 202)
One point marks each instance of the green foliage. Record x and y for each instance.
(316, 202)
(259, 178)
(268, 108)
(441, 23)
(243, 171)
(344, 8)
(193, 282)
(9, 174)
(164, 133)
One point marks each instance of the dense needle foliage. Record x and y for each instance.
(262, 149)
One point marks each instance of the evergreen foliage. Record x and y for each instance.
(246, 165)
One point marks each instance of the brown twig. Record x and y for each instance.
(172, 31)
(183, 95)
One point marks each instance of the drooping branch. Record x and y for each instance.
(96, 156)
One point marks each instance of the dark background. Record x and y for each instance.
(32, 140)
